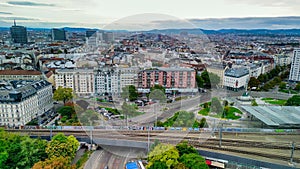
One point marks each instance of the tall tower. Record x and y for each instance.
(18, 34)
(295, 66)
(59, 35)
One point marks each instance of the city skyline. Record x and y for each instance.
(98, 14)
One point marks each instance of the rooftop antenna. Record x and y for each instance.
(15, 23)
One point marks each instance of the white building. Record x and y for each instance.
(22, 101)
(218, 69)
(282, 60)
(236, 78)
(295, 66)
(110, 80)
(80, 80)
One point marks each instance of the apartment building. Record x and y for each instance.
(173, 79)
(80, 80)
(23, 100)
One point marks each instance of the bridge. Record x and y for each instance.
(270, 147)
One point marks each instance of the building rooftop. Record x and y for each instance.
(276, 116)
(236, 72)
(17, 90)
(20, 72)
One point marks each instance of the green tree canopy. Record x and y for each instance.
(216, 106)
(20, 151)
(129, 92)
(184, 148)
(61, 145)
(297, 87)
(210, 79)
(54, 163)
(128, 110)
(165, 153)
(66, 111)
(193, 161)
(214, 79)
(200, 81)
(158, 95)
(293, 101)
(253, 82)
(63, 94)
(158, 165)
(184, 119)
(159, 87)
(282, 85)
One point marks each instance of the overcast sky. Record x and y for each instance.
(98, 13)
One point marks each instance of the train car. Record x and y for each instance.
(216, 163)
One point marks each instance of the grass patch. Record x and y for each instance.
(204, 111)
(228, 112)
(231, 113)
(288, 91)
(274, 101)
(80, 163)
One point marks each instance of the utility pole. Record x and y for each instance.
(292, 152)
(148, 138)
(220, 135)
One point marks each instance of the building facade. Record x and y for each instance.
(21, 75)
(295, 66)
(219, 70)
(58, 35)
(111, 80)
(173, 79)
(81, 81)
(236, 78)
(18, 34)
(22, 101)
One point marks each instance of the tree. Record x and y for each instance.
(158, 95)
(210, 79)
(156, 142)
(214, 79)
(253, 82)
(184, 119)
(63, 94)
(293, 101)
(203, 123)
(184, 148)
(282, 85)
(253, 103)
(61, 145)
(200, 81)
(193, 161)
(165, 153)
(297, 87)
(180, 166)
(159, 87)
(158, 165)
(20, 151)
(54, 163)
(66, 111)
(128, 110)
(216, 106)
(129, 92)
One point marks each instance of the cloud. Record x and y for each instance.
(249, 23)
(5, 13)
(28, 3)
(19, 18)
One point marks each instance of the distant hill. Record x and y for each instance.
(191, 31)
(231, 31)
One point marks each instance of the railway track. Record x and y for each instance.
(247, 147)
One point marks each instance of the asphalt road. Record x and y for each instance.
(113, 157)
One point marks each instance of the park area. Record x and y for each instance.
(274, 101)
(216, 109)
